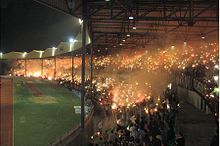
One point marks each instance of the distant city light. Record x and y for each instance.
(203, 37)
(128, 35)
(134, 27)
(172, 47)
(123, 40)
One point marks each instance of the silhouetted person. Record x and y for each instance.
(215, 139)
(181, 140)
(171, 135)
(155, 141)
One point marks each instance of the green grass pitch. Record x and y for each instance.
(40, 120)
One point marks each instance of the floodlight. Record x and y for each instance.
(130, 17)
(80, 21)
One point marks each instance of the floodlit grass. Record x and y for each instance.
(39, 121)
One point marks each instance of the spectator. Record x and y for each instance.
(164, 133)
(171, 135)
(215, 139)
(133, 131)
(181, 140)
(155, 141)
(112, 137)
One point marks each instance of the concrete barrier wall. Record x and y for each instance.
(193, 98)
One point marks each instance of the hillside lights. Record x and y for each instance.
(1, 54)
(128, 35)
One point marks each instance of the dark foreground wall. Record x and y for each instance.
(193, 120)
(193, 98)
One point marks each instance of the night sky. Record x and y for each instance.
(27, 25)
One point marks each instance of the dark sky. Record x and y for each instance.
(27, 25)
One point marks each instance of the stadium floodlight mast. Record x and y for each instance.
(72, 41)
(41, 53)
(53, 51)
(1, 54)
(24, 54)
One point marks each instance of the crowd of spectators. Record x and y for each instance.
(152, 128)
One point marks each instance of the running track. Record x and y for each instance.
(6, 94)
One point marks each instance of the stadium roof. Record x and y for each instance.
(146, 21)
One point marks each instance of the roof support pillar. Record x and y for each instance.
(84, 26)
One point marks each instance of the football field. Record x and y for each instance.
(43, 112)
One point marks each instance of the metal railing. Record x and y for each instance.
(201, 88)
